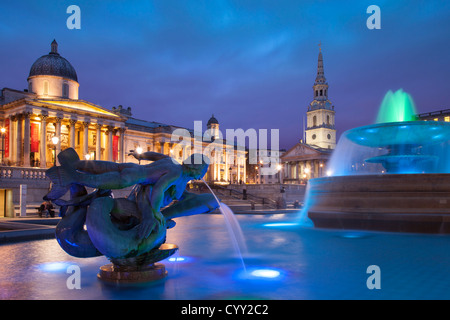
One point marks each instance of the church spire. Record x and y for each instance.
(320, 86)
(320, 125)
(320, 78)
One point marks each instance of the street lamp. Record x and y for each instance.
(3, 131)
(55, 141)
(279, 167)
(139, 151)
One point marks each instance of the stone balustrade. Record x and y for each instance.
(21, 173)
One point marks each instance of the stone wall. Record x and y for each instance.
(273, 191)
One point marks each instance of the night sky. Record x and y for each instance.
(251, 63)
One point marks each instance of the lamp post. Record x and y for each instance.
(55, 141)
(261, 165)
(279, 168)
(139, 151)
(3, 132)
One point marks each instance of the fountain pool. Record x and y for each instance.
(284, 261)
(393, 175)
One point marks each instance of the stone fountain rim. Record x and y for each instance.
(399, 124)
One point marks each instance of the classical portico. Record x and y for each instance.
(303, 162)
(94, 132)
(50, 107)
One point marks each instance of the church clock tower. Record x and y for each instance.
(320, 127)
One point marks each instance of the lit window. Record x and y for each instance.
(436, 119)
(447, 119)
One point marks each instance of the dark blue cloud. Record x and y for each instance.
(251, 63)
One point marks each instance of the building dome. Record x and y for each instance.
(212, 120)
(53, 64)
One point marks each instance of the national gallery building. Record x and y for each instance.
(48, 117)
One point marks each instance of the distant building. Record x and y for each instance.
(440, 115)
(50, 107)
(320, 130)
(308, 158)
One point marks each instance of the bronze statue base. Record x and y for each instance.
(112, 273)
(138, 269)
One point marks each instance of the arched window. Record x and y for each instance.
(65, 90)
(314, 121)
(317, 93)
(321, 92)
(46, 87)
(328, 120)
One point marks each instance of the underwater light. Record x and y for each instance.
(54, 266)
(178, 259)
(260, 274)
(353, 235)
(265, 273)
(280, 224)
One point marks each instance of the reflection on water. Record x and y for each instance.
(284, 261)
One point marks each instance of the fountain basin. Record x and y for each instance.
(413, 133)
(417, 203)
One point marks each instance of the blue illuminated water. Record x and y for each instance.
(284, 261)
(412, 147)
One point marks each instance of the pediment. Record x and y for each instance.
(302, 151)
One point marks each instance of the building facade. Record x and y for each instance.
(320, 117)
(440, 115)
(49, 117)
(308, 158)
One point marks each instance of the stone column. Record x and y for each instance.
(162, 143)
(43, 142)
(85, 139)
(11, 139)
(72, 123)
(58, 134)
(245, 168)
(227, 171)
(238, 163)
(19, 143)
(23, 200)
(26, 139)
(98, 142)
(122, 145)
(109, 148)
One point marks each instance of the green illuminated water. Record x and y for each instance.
(396, 107)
